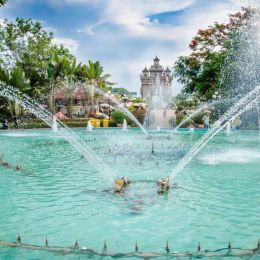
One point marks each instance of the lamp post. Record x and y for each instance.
(109, 95)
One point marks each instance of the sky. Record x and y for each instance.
(124, 35)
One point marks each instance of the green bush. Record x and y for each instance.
(118, 117)
(179, 118)
(31, 125)
(198, 119)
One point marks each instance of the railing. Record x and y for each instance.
(228, 251)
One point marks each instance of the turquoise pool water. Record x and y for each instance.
(63, 197)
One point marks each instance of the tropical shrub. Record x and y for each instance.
(118, 117)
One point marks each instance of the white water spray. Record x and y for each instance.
(89, 126)
(94, 160)
(124, 125)
(228, 127)
(120, 106)
(236, 110)
(54, 126)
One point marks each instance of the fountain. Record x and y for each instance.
(89, 126)
(158, 128)
(200, 109)
(159, 113)
(124, 125)
(64, 198)
(239, 108)
(120, 106)
(54, 124)
(228, 127)
(26, 102)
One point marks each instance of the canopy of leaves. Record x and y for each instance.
(200, 72)
(2, 2)
(121, 91)
(26, 47)
(118, 117)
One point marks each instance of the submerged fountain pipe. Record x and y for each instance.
(236, 110)
(94, 160)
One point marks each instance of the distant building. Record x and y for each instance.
(156, 85)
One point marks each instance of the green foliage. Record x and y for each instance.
(94, 74)
(198, 119)
(120, 91)
(30, 62)
(201, 71)
(179, 117)
(25, 45)
(2, 2)
(15, 78)
(118, 117)
(138, 100)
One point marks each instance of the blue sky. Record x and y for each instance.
(124, 35)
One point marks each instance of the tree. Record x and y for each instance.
(94, 74)
(118, 117)
(26, 45)
(120, 91)
(2, 2)
(201, 71)
(27, 51)
(15, 78)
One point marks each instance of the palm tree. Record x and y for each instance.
(94, 75)
(15, 78)
(62, 71)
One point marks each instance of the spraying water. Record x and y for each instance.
(236, 110)
(120, 106)
(228, 127)
(198, 110)
(94, 160)
(124, 110)
(89, 126)
(188, 118)
(54, 125)
(124, 125)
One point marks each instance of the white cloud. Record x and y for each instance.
(133, 16)
(130, 23)
(71, 44)
(123, 37)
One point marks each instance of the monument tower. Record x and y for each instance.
(156, 85)
(156, 90)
